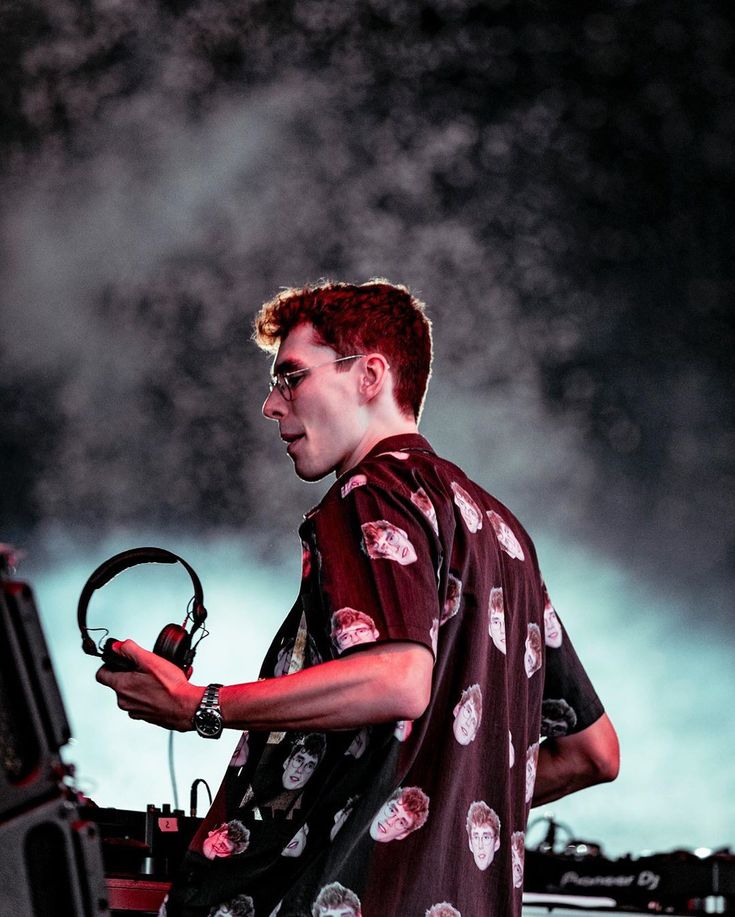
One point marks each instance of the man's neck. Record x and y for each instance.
(396, 427)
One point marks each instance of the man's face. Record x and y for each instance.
(392, 823)
(297, 770)
(552, 627)
(531, 658)
(392, 543)
(531, 756)
(339, 910)
(218, 844)
(357, 632)
(516, 852)
(497, 628)
(483, 845)
(323, 423)
(468, 508)
(465, 722)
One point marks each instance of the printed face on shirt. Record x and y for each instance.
(297, 770)
(552, 627)
(241, 906)
(240, 755)
(532, 657)
(295, 847)
(221, 843)
(323, 423)
(483, 844)
(466, 722)
(421, 499)
(357, 480)
(453, 599)
(531, 759)
(385, 541)
(468, 509)
(359, 744)
(496, 611)
(517, 853)
(392, 823)
(352, 628)
(506, 539)
(334, 900)
(443, 909)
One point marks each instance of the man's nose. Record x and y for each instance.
(275, 405)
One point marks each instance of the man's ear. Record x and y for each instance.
(374, 375)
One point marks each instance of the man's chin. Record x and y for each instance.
(308, 473)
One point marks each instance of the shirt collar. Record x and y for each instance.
(401, 443)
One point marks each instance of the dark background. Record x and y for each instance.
(556, 185)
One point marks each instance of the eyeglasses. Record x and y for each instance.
(287, 383)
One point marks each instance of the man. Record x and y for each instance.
(443, 909)
(350, 626)
(483, 833)
(351, 366)
(226, 840)
(467, 715)
(334, 900)
(532, 659)
(496, 611)
(518, 856)
(241, 906)
(302, 761)
(405, 811)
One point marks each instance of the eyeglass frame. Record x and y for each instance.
(281, 381)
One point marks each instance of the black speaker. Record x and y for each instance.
(51, 864)
(33, 725)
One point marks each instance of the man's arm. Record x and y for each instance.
(570, 763)
(383, 683)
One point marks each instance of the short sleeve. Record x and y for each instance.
(570, 702)
(379, 556)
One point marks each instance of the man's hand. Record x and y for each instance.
(158, 692)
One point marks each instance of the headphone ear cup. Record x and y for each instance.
(174, 644)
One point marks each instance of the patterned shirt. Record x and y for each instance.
(407, 819)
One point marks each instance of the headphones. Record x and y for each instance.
(174, 641)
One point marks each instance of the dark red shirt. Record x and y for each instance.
(407, 819)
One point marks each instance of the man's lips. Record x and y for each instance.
(290, 439)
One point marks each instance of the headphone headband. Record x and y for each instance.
(110, 568)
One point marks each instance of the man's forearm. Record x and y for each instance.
(385, 683)
(571, 763)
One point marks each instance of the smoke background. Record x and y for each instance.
(557, 187)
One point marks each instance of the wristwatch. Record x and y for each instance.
(208, 719)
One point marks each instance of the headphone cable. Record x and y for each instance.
(171, 771)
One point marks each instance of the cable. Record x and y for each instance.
(193, 795)
(171, 771)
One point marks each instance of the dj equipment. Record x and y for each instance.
(672, 883)
(174, 642)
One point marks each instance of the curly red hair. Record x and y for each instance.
(376, 316)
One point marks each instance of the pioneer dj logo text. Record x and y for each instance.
(644, 879)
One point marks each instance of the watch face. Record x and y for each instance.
(208, 723)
